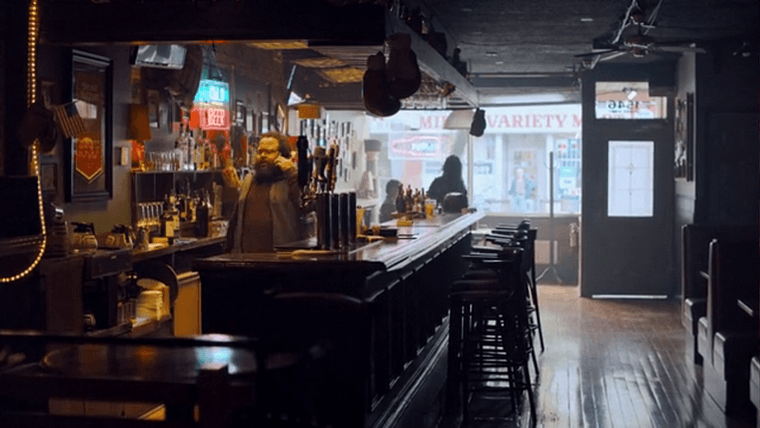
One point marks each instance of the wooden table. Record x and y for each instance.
(216, 372)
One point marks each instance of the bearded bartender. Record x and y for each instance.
(267, 213)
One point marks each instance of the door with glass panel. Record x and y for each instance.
(627, 207)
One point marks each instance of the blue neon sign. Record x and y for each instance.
(213, 92)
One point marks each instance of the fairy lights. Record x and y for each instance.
(31, 98)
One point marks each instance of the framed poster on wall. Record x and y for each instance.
(683, 166)
(89, 153)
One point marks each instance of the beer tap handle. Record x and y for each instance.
(304, 165)
(331, 174)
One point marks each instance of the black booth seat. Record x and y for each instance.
(754, 382)
(727, 336)
(693, 310)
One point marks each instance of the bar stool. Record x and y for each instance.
(326, 332)
(506, 235)
(525, 239)
(489, 340)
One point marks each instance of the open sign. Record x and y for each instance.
(418, 147)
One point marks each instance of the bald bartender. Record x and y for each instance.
(267, 213)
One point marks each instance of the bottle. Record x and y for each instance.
(202, 214)
(178, 154)
(192, 207)
(417, 201)
(182, 207)
(191, 161)
(167, 219)
(408, 198)
(400, 203)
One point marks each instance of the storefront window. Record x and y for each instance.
(510, 162)
(414, 148)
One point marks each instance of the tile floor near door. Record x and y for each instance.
(611, 363)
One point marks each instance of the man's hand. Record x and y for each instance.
(285, 165)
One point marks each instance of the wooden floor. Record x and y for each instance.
(611, 363)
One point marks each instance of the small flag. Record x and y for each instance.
(69, 120)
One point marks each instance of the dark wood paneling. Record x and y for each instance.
(733, 147)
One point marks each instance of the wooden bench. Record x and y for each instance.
(694, 266)
(727, 334)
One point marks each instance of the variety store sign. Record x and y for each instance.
(518, 120)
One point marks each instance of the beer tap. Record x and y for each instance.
(332, 159)
(319, 178)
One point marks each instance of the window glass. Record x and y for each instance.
(628, 100)
(414, 146)
(510, 162)
(630, 179)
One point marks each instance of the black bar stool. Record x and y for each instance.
(325, 387)
(490, 335)
(524, 236)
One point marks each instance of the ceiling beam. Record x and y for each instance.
(73, 23)
(432, 63)
(545, 81)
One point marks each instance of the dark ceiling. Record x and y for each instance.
(515, 50)
(511, 48)
(522, 47)
(540, 36)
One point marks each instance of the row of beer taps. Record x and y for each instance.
(317, 172)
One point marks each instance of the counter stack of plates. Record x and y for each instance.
(57, 240)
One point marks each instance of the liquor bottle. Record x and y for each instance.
(191, 162)
(182, 207)
(417, 201)
(192, 207)
(169, 219)
(408, 198)
(400, 203)
(202, 214)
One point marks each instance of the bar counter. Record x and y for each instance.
(399, 332)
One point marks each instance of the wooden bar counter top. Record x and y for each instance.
(400, 287)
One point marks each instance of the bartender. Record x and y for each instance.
(267, 213)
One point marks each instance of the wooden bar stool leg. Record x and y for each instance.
(213, 396)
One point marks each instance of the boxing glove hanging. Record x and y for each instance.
(403, 71)
(375, 88)
(478, 125)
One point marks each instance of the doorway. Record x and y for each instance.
(628, 185)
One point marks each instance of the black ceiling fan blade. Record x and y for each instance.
(597, 53)
(658, 48)
(613, 55)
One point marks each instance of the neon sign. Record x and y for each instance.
(213, 118)
(213, 92)
(417, 147)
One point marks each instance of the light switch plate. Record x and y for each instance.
(124, 158)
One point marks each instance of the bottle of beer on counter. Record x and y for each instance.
(408, 198)
(417, 201)
(169, 219)
(400, 202)
(202, 214)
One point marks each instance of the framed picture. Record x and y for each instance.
(154, 108)
(89, 153)
(250, 122)
(683, 166)
(49, 177)
(240, 113)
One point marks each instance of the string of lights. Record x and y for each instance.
(31, 98)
